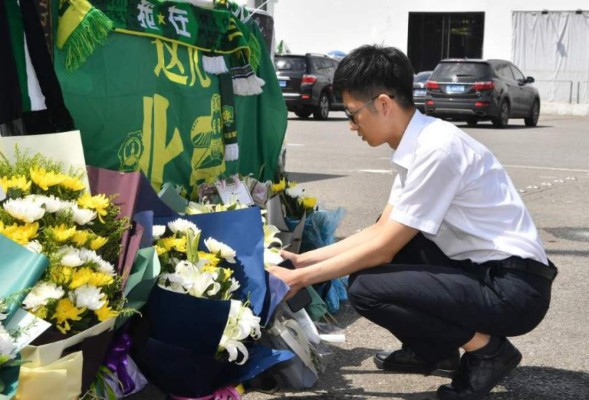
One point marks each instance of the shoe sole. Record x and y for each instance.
(405, 369)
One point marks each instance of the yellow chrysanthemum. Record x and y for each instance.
(225, 273)
(41, 312)
(22, 234)
(66, 310)
(72, 183)
(308, 202)
(211, 269)
(45, 179)
(160, 250)
(98, 242)
(98, 203)
(291, 184)
(212, 259)
(60, 233)
(61, 275)
(80, 276)
(279, 187)
(80, 238)
(105, 312)
(17, 182)
(181, 244)
(100, 279)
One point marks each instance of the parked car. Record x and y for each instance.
(307, 84)
(419, 89)
(474, 90)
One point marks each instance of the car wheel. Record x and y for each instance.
(532, 120)
(303, 114)
(503, 118)
(322, 111)
(472, 121)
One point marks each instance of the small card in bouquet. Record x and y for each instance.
(27, 325)
(233, 189)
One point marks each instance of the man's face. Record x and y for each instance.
(365, 118)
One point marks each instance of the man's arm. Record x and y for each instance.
(388, 238)
(327, 252)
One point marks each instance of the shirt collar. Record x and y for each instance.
(403, 155)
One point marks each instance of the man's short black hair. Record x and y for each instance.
(371, 70)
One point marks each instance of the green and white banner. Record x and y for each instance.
(146, 103)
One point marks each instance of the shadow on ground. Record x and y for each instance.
(302, 177)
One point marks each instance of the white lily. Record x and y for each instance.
(270, 232)
(241, 323)
(25, 209)
(272, 257)
(220, 249)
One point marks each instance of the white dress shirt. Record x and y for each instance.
(453, 189)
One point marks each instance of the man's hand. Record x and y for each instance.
(289, 276)
(293, 257)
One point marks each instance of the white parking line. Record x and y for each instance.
(546, 168)
(377, 171)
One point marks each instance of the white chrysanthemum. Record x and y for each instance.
(25, 209)
(7, 347)
(234, 285)
(88, 296)
(105, 267)
(54, 204)
(220, 249)
(295, 192)
(40, 295)
(157, 231)
(35, 246)
(182, 225)
(70, 257)
(88, 256)
(82, 216)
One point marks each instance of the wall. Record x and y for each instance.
(326, 25)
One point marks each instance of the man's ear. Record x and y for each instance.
(387, 103)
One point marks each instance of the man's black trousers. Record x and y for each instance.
(434, 305)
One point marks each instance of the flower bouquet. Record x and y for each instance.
(214, 281)
(48, 209)
(288, 208)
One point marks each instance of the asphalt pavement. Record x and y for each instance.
(550, 167)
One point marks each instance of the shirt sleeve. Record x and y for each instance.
(430, 187)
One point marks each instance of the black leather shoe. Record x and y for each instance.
(479, 374)
(405, 361)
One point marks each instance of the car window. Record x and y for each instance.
(447, 71)
(289, 64)
(422, 77)
(517, 73)
(504, 72)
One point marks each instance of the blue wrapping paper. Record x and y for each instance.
(241, 230)
(176, 343)
(20, 269)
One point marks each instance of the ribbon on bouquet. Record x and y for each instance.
(226, 393)
(117, 361)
